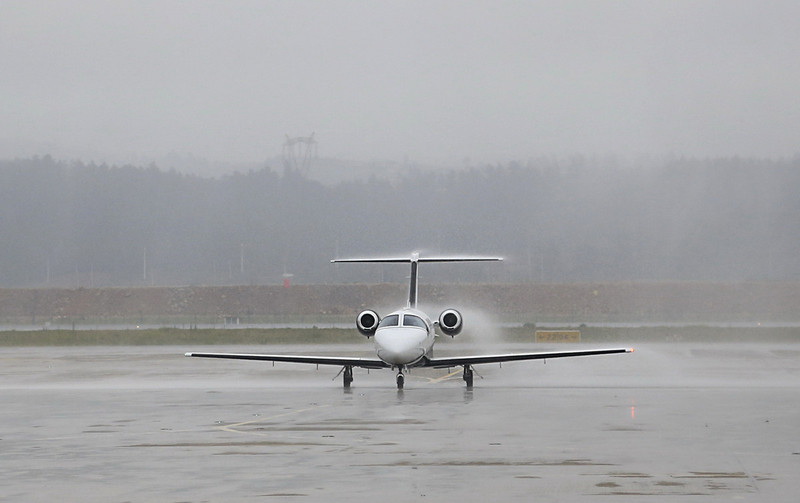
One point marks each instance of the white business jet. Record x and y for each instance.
(405, 338)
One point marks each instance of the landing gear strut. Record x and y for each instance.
(400, 380)
(348, 376)
(468, 375)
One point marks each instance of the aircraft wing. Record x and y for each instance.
(474, 360)
(341, 361)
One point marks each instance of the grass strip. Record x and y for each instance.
(178, 336)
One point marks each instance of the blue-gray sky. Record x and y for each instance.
(429, 81)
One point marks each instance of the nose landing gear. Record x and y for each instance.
(400, 380)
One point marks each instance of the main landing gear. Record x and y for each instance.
(468, 375)
(347, 377)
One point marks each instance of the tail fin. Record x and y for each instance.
(414, 260)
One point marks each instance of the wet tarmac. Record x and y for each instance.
(687, 422)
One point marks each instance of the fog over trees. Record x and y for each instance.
(72, 224)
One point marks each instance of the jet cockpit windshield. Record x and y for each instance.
(409, 320)
(392, 320)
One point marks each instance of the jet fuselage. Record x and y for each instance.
(405, 338)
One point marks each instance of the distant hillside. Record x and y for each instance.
(577, 220)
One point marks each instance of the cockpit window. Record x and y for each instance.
(390, 321)
(410, 320)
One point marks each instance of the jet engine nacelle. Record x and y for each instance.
(367, 322)
(450, 322)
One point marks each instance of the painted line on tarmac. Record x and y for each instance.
(232, 427)
(443, 378)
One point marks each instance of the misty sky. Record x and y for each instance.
(427, 81)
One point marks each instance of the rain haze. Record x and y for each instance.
(215, 84)
(635, 164)
(583, 141)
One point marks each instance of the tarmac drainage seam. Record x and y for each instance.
(712, 475)
(235, 444)
(568, 462)
(630, 475)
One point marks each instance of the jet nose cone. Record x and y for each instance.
(400, 346)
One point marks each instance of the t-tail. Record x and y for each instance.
(414, 260)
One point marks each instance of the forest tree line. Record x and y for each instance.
(74, 224)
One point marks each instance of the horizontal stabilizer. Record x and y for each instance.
(407, 260)
(414, 260)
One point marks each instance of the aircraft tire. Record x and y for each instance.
(347, 379)
(468, 376)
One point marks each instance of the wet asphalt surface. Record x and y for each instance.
(687, 422)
